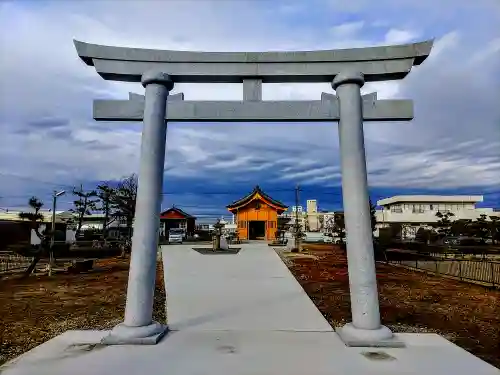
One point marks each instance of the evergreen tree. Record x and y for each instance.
(83, 206)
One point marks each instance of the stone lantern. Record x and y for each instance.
(217, 235)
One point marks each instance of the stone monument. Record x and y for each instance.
(347, 70)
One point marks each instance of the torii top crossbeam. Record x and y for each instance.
(376, 63)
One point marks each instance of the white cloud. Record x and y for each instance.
(491, 51)
(309, 173)
(397, 36)
(347, 29)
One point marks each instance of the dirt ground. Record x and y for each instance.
(38, 308)
(466, 314)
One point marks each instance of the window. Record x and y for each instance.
(418, 208)
(396, 208)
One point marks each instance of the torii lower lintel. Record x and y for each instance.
(252, 111)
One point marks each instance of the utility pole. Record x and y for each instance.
(298, 231)
(53, 229)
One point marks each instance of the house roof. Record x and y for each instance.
(257, 191)
(179, 211)
(13, 215)
(430, 199)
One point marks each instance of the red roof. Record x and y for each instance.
(248, 198)
(175, 213)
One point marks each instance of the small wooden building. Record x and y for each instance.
(176, 218)
(257, 215)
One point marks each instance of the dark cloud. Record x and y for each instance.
(455, 92)
(48, 123)
(59, 133)
(96, 145)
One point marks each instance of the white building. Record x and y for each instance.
(310, 220)
(318, 221)
(415, 211)
(411, 211)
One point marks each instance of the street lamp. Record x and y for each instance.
(52, 237)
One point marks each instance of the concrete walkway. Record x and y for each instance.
(249, 291)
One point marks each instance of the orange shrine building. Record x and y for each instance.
(257, 215)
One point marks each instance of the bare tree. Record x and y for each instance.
(321, 219)
(104, 193)
(329, 223)
(123, 201)
(339, 226)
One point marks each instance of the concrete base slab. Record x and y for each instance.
(246, 353)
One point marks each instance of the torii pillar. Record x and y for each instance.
(365, 328)
(138, 326)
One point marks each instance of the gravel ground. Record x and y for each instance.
(466, 314)
(38, 308)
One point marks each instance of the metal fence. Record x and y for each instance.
(484, 272)
(12, 262)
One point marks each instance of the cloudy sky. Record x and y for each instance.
(48, 139)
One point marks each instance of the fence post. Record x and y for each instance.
(492, 275)
(436, 263)
(460, 269)
(416, 262)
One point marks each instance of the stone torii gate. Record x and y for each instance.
(347, 70)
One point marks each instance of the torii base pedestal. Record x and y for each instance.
(365, 338)
(125, 335)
